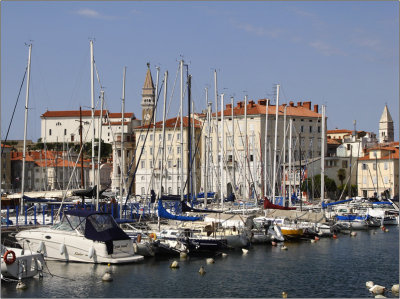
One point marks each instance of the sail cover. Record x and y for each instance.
(162, 213)
(186, 208)
(270, 205)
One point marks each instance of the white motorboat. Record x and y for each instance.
(19, 263)
(265, 231)
(82, 236)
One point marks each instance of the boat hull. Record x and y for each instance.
(71, 247)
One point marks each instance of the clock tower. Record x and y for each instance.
(148, 98)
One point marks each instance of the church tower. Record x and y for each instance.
(386, 128)
(148, 98)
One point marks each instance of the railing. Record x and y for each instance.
(45, 214)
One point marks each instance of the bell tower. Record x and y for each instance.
(148, 98)
(386, 128)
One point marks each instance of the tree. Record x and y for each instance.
(341, 175)
(354, 190)
(330, 186)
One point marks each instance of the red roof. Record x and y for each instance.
(172, 122)
(5, 145)
(394, 152)
(261, 108)
(85, 113)
(339, 131)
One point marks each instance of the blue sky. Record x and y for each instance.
(337, 53)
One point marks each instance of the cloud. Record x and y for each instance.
(326, 49)
(90, 13)
(257, 30)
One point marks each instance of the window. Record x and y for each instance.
(302, 129)
(364, 166)
(72, 138)
(178, 164)
(251, 158)
(159, 164)
(179, 136)
(141, 137)
(385, 180)
(374, 166)
(49, 132)
(386, 166)
(151, 137)
(169, 190)
(169, 138)
(169, 163)
(143, 190)
(151, 151)
(344, 164)
(65, 132)
(178, 149)
(151, 164)
(159, 137)
(349, 147)
(310, 129)
(364, 180)
(142, 164)
(319, 129)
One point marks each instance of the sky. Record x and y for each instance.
(341, 54)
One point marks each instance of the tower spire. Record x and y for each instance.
(148, 97)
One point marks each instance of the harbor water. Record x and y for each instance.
(328, 268)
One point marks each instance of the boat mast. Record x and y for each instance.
(216, 127)
(323, 156)
(92, 107)
(122, 166)
(207, 142)
(222, 151)
(265, 150)
(284, 157)
(99, 151)
(276, 143)
(181, 127)
(246, 190)
(25, 129)
(80, 137)
(162, 146)
(154, 128)
(290, 161)
(233, 148)
(189, 189)
(194, 173)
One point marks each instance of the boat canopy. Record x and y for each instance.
(324, 205)
(270, 205)
(34, 199)
(186, 208)
(96, 226)
(162, 213)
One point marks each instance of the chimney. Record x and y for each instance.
(251, 103)
(284, 105)
(262, 102)
(228, 106)
(316, 108)
(298, 104)
(307, 105)
(240, 104)
(291, 104)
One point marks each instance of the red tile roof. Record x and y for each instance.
(394, 153)
(338, 131)
(86, 113)
(172, 122)
(5, 145)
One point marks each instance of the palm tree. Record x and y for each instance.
(341, 175)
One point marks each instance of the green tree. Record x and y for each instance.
(354, 190)
(330, 186)
(341, 174)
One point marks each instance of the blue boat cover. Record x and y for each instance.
(382, 203)
(351, 217)
(324, 205)
(162, 212)
(33, 199)
(100, 227)
(209, 194)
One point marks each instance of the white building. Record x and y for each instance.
(249, 181)
(63, 126)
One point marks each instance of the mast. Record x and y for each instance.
(92, 107)
(323, 155)
(284, 156)
(99, 151)
(154, 128)
(25, 129)
(301, 193)
(122, 166)
(189, 147)
(206, 158)
(233, 148)
(162, 146)
(222, 151)
(216, 125)
(246, 190)
(265, 150)
(276, 142)
(80, 137)
(290, 161)
(181, 127)
(194, 173)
